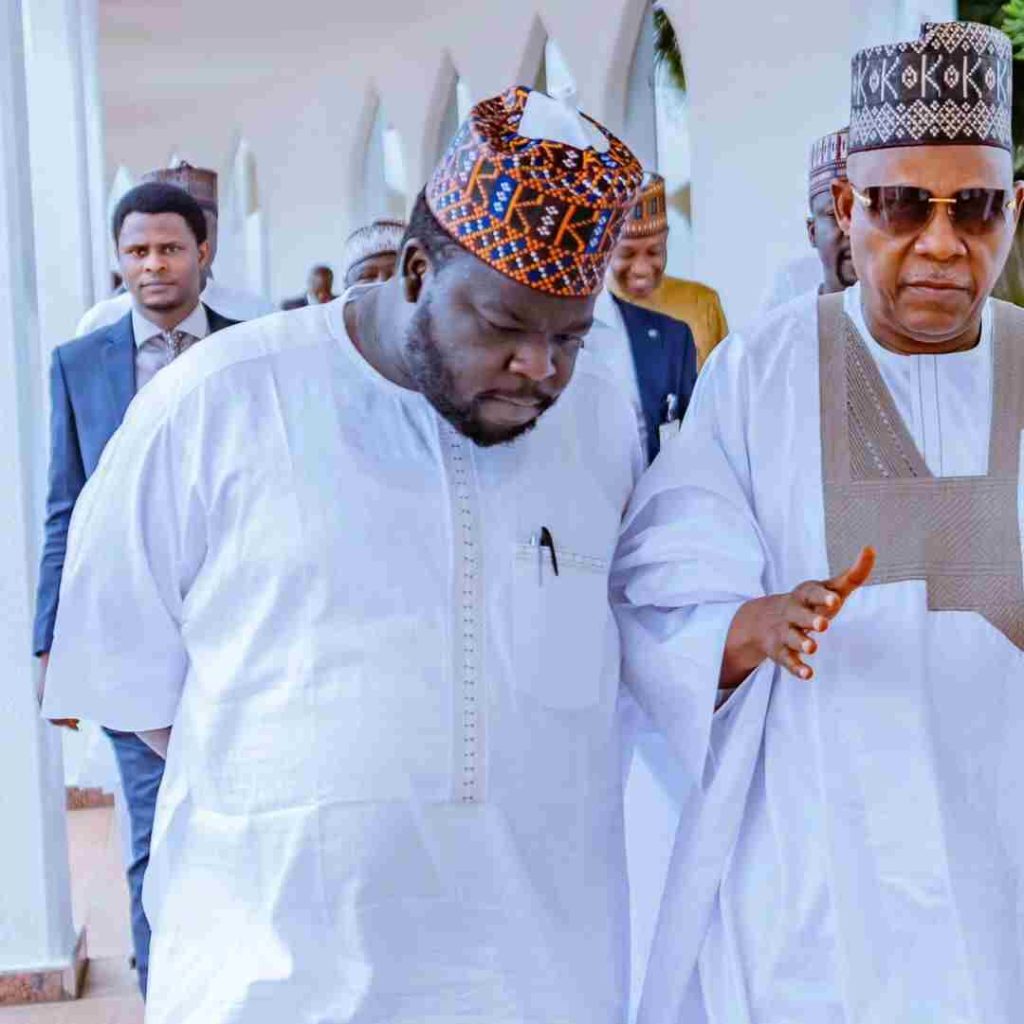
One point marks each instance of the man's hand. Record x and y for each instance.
(780, 627)
(63, 723)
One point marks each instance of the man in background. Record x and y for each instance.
(638, 272)
(829, 268)
(652, 355)
(163, 252)
(371, 251)
(319, 289)
(229, 303)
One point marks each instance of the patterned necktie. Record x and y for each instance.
(177, 342)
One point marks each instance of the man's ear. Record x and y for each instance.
(812, 232)
(204, 255)
(1018, 200)
(413, 267)
(843, 200)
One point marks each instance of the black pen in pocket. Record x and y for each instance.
(547, 541)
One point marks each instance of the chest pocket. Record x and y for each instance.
(560, 625)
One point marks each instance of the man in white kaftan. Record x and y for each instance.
(852, 841)
(383, 639)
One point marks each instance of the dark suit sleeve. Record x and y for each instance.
(66, 480)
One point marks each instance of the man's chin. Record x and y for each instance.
(931, 324)
(489, 435)
(161, 304)
(846, 272)
(640, 293)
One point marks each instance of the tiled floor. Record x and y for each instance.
(100, 901)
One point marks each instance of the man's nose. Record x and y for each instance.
(939, 239)
(534, 359)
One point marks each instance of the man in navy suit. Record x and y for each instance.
(654, 358)
(160, 234)
(653, 355)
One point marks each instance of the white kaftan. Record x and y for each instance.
(393, 790)
(797, 276)
(851, 849)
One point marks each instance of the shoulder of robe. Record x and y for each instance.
(232, 351)
(696, 290)
(593, 382)
(784, 335)
(1009, 315)
(596, 400)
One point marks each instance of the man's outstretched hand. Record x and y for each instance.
(780, 627)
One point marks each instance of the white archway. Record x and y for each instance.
(122, 181)
(553, 75)
(248, 212)
(448, 119)
(457, 106)
(672, 134)
(641, 131)
(384, 191)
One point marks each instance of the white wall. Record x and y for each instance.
(298, 81)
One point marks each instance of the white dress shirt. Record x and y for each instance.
(152, 349)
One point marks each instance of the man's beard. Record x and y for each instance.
(434, 379)
(846, 273)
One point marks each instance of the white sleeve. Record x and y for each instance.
(690, 554)
(137, 540)
(89, 322)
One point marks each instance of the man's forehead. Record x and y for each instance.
(491, 291)
(139, 225)
(932, 167)
(647, 241)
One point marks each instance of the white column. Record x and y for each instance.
(36, 930)
(758, 96)
(61, 123)
(912, 14)
(641, 119)
(102, 250)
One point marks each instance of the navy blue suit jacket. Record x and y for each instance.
(92, 382)
(665, 358)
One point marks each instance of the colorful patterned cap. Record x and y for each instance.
(198, 182)
(649, 215)
(828, 161)
(950, 86)
(375, 239)
(536, 190)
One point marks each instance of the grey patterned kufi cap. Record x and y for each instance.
(951, 86)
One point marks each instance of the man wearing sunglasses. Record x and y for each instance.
(845, 494)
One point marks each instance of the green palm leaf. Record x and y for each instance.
(667, 54)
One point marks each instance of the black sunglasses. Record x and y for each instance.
(903, 209)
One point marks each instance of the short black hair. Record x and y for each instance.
(159, 197)
(425, 228)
